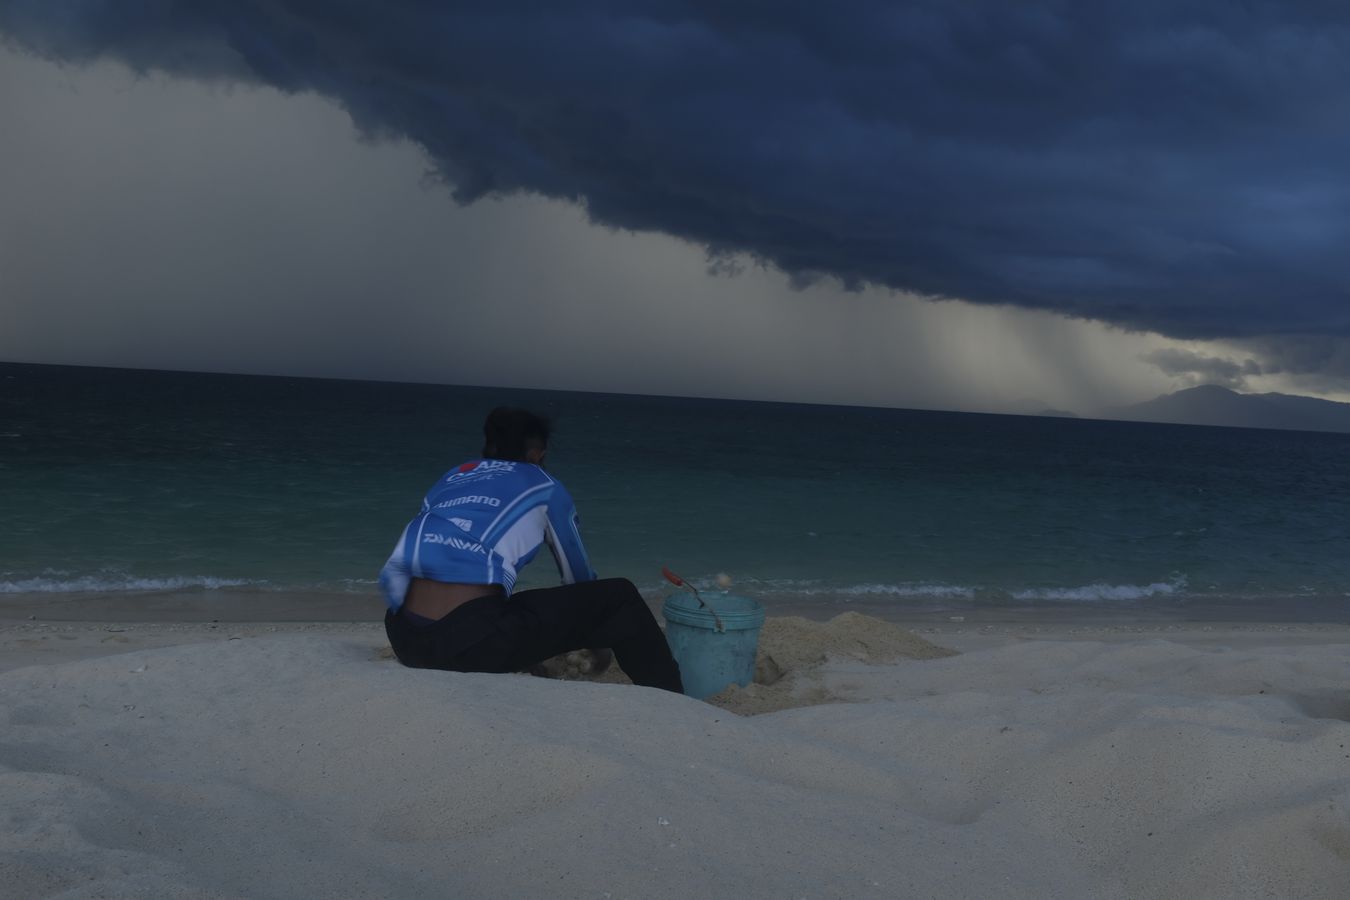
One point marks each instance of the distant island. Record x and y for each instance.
(1031, 406)
(1213, 405)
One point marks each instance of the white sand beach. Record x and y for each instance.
(294, 760)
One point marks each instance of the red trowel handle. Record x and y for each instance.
(680, 582)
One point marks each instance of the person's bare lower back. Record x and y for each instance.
(437, 599)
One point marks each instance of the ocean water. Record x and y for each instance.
(145, 484)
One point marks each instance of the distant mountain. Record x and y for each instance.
(1030, 406)
(1213, 405)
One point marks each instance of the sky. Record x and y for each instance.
(980, 206)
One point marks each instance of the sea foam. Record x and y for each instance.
(60, 583)
(1117, 593)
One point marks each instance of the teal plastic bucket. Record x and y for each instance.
(714, 647)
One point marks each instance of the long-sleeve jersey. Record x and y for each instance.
(483, 522)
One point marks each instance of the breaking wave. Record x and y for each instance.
(1098, 593)
(63, 584)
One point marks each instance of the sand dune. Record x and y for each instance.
(305, 765)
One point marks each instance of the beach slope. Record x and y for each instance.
(309, 764)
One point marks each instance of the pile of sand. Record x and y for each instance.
(794, 643)
(791, 651)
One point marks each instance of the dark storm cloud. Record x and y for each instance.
(1176, 166)
(1318, 362)
(1202, 369)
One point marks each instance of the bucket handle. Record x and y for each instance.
(680, 582)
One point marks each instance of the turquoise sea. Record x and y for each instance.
(142, 484)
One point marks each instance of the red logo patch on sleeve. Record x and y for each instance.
(468, 467)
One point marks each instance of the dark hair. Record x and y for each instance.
(509, 432)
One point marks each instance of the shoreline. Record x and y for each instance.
(306, 606)
(47, 629)
(54, 642)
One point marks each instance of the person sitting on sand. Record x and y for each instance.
(448, 584)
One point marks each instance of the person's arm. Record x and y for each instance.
(563, 535)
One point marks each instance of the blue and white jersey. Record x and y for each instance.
(481, 523)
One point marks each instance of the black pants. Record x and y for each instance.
(508, 634)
